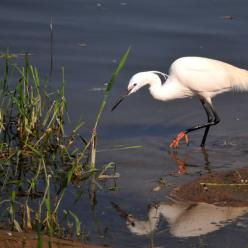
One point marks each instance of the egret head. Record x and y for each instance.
(137, 81)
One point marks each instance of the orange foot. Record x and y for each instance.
(181, 135)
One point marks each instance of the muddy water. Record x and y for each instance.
(89, 36)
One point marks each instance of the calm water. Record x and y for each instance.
(89, 37)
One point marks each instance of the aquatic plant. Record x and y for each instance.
(38, 159)
(103, 104)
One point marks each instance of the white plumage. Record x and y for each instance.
(191, 76)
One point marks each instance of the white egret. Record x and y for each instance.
(191, 76)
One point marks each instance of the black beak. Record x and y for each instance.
(120, 100)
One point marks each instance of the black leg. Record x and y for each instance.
(212, 117)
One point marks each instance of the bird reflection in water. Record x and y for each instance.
(184, 219)
(198, 207)
(182, 163)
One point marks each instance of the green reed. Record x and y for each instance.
(38, 159)
(103, 105)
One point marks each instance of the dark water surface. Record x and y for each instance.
(89, 37)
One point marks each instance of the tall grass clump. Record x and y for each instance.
(38, 159)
